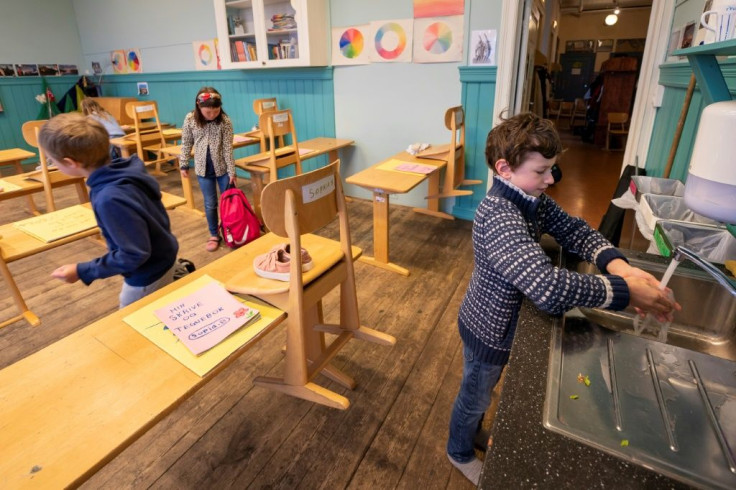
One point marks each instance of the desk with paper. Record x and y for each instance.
(395, 175)
(71, 407)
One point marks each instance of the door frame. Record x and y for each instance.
(648, 94)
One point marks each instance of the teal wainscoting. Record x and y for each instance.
(308, 92)
(675, 78)
(478, 91)
(18, 98)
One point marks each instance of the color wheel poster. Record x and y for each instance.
(205, 55)
(133, 58)
(438, 39)
(350, 45)
(391, 41)
(117, 59)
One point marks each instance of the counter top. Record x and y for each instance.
(524, 453)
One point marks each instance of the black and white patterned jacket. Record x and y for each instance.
(510, 264)
(219, 137)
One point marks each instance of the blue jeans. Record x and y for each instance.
(474, 398)
(209, 192)
(130, 294)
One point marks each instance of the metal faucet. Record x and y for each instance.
(682, 253)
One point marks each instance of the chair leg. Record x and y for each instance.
(25, 313)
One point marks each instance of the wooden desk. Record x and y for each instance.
(73, 406)
(28, 186)
(14, 156)
(126, 145)
(16, 245)
(128, 128)
(382, 183)
(186, 183)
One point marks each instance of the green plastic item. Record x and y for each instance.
(732, 229)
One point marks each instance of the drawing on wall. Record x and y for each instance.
(97, 68)
(205, 55)
(438, 8)
(133, 56)
(117, 58)
(26, 70)
(7, 70)
(48, 70)
(688, 33)
(438, 40)
(349, 45)
(142, 88)
(483, 47)
(390, 41)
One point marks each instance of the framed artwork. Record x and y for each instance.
(68, 70)
(688, 34)
(674, 44)
(7, 70)
(630, 45)
(580, 45)
(604, 45)
(48, 70)
(26, 70)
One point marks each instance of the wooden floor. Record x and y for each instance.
(231, 434)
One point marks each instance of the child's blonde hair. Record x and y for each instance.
(90, 106)
(517, 136)
(75, 136)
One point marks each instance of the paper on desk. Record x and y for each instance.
(304, 151)
(242, 139)
(59, 224)
(406, 167)
(144, 321)
(204, 318)
(6, 186)
(171, 131)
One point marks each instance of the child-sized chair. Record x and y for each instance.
(617, 127)
(293, 208)
(274, 125)
(454, 154)
(49, 176)
(148, 134)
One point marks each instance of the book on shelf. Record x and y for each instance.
(240, 51)
(230, 25)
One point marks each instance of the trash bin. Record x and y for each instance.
(641, 184)
(654, 208)
(711, 243)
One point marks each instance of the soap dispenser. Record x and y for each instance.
(710, 188)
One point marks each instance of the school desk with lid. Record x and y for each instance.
(383, 182)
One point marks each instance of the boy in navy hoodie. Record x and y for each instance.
(127, 205)
(509, 265)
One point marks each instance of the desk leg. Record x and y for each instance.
(25, 313)
(380, 236)
(433, 205)
(331, 157)
(31, 205)
(186, 186)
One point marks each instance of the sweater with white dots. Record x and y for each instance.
(510, 264)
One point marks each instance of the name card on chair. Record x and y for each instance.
(318, 189)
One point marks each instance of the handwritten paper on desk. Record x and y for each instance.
(408, 167)
(204, 318)
(58, 224)
(6, 186)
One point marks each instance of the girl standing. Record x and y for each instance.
(91, 108)
(209, 130)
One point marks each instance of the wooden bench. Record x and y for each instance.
(16, 245)
(70, 408)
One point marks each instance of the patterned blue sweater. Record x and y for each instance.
(510, 264)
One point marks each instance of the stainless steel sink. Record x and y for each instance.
(707, 322)
(670, 407)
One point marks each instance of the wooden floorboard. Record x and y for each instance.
(231, 434)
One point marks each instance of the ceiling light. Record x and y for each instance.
(617, 11)
(611, 19)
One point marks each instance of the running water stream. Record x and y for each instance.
(650, 322)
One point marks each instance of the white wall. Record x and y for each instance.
(387, 106)
(39, 31)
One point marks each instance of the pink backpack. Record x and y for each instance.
(238, 223)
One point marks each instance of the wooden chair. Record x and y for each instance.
(553, 108)
(261, 106)
(293, 208)
(274, 125)
(566, 111)
(50, 177)
(579, 112)
(454, 154)
(148, 134)
(617, 126)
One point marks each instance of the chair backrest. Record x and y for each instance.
(147, 131)
(617, 120)
(579, 106)
(455, 122)
(264, 105)
(566, 108)
(553, 106)
(277, 125)
(30, 131)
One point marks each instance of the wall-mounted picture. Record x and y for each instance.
(68, 70)
(48, 70)
(26, 70)
(580, 45)
(97, 68)
(7, 70)
(674, 44)
(630, 45)
(604, 45)
(142, 88)
(688, 33)
(438, 39)
(483, 47)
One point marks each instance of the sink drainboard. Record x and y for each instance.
(663, 407)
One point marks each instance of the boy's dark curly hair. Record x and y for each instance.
(517, 136)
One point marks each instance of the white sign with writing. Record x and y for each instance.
(318, 189)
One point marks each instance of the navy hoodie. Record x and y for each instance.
(127, 205)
